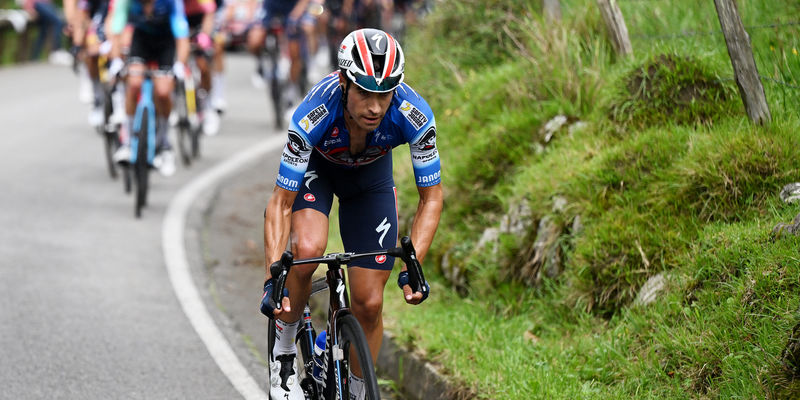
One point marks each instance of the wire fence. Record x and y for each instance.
(774, 31)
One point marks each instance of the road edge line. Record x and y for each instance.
(177, 264)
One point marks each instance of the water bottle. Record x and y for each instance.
(319, 348)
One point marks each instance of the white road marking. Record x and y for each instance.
(180, 275)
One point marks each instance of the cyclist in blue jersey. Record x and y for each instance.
(160, 31)
(339, 143)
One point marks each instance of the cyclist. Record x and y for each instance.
(201, 15)
(160, 31)
(339, 143)
(88, 34)
(289, 14)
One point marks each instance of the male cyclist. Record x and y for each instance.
(288, 13)
(160, 31)
(340, 142)
(201, 15)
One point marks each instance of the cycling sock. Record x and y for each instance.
(284, 338)
(129, 125)
(98, 92)
(356, 387)
(161, 133)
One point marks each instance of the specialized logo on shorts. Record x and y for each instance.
(380, 259)
(310, 176)
(313, 118)
(384, 227)
(413, 115)
(310, 198)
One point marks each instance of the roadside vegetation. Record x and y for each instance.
(655, 174)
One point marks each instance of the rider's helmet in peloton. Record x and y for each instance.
(372, 59)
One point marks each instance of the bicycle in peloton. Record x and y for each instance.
(110, 129)
(188, 118)
(143, 141)
(276, 70)
(345, 338)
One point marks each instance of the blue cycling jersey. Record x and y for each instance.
(318, 123)
(166, 15)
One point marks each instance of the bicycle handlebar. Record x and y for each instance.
(406, 252)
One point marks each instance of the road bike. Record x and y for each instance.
(345, 337)
(188, 118)
(110, 129)
(274, 67)
(143, 141)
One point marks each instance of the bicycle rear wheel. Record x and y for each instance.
(141, 169)
(111, 137)
(351, 341)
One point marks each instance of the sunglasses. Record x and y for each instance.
(369, 83)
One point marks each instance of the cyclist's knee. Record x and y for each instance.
(307, 247)
(368, 310)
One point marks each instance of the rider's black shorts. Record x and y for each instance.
(147, 48)
(367, 204)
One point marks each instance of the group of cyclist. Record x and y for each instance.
(339, 142)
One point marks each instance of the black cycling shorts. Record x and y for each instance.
(147, 48)
(367, 204)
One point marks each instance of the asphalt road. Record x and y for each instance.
(87, 309)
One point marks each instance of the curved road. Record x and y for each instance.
(87, 310)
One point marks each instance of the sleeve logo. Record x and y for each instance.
(313, 118)
(413, 115)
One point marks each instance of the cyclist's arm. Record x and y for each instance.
(277, 225)
(180, 29)
(118, 18)
(426, 219)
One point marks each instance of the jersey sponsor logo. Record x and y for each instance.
(413, 115)
(384, 227)
(310, 198)
(313, 118)
(296, 144)
(335, 132)
(332, 141)
(429, 178)
(288, 183)
(380, 259)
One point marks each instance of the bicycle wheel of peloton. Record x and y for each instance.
(183, 124)
(195, 138)
(111, 142)
(352, 341)
(141, 168)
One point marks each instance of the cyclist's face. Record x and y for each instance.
(367, 108)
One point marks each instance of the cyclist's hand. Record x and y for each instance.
(268, 306)
(204, 41)
(116, 66)
(179, 69)
(408, 293)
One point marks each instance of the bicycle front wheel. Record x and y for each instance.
(352, 341)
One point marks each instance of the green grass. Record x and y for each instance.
(667, 176)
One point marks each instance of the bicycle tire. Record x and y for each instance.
(195, 139)
(351, 336)
(183, 124)
(142, 168)
(111, 138)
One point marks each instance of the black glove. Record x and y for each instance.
(402, 280)
(267, 304)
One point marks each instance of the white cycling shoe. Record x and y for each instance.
(122, 155)
(283, 379)
(165, 162)
(210, 122)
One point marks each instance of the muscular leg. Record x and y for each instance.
(309, 238)
(366, 302)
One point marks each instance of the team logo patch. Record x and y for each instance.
(296, 145)
(413, 115)
(313, 118)
(380, 259)
(310, 198)
(335, 132)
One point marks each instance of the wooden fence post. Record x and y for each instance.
(744, 65)
(552, 10)
(616, 26)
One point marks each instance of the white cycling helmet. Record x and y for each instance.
(372, 59)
